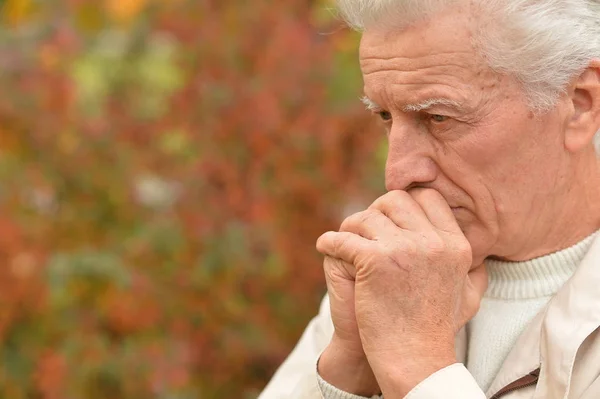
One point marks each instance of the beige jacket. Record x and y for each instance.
(556, 357)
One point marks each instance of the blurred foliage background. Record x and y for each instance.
(165, 169)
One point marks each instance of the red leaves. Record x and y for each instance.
(202, 148)
(51, 375)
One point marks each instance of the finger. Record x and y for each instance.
(478, 279)
(436, 209)
(475, 287)
(403, 210)
(345, 270)
(343, 245)
(370, 224)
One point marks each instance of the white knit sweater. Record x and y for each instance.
(517, 292)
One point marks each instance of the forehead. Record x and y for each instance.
(433, 58)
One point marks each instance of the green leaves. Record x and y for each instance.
(76, 279)
(164, 174)
(145, 72)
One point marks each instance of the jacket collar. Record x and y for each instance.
(553, 337)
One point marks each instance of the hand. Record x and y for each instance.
(344, 364)
(414, 284)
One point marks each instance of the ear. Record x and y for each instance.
(584, 96)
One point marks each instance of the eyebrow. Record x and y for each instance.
(421, 106)
(370, 104)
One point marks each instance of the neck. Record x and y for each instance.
(570, 215)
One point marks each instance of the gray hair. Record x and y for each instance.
(542, 43)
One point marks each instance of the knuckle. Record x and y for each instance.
(390, 198)
(369, 215)
(411, 249)
(351, 223)
(347, 223)
(436, 248)
(398, 196)
(463, 251)
(425, 192)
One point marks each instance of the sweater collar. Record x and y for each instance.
(535, 278)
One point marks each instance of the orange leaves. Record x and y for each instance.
(124, 11)
(16, 12)
(51, 375)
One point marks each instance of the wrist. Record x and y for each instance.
(347, 370)
(400, 373)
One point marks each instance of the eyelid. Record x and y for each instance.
(431, 118)
(380, 114)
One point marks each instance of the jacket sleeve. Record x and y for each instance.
(296, 378)
(452, 382)
(328, 391)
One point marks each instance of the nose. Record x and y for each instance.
(410, 158)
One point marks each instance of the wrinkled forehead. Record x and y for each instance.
(437, 54)
(452, 31)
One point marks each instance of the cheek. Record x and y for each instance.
(484, 167)
(477, 215)
(517, 164)
(499, 154)
(508, 168)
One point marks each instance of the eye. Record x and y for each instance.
(385, 115)
(438, 118)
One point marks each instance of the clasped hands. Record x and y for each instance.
(401, 284)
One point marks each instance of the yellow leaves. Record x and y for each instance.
(177, 143)
(88, 18)
(124, 11)
(16, 12)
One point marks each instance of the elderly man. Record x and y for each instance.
(478, 274)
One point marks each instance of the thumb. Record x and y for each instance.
(478, 279)
(475, 286)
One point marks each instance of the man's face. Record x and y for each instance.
(456, 126)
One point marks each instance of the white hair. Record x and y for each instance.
(542, 43)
